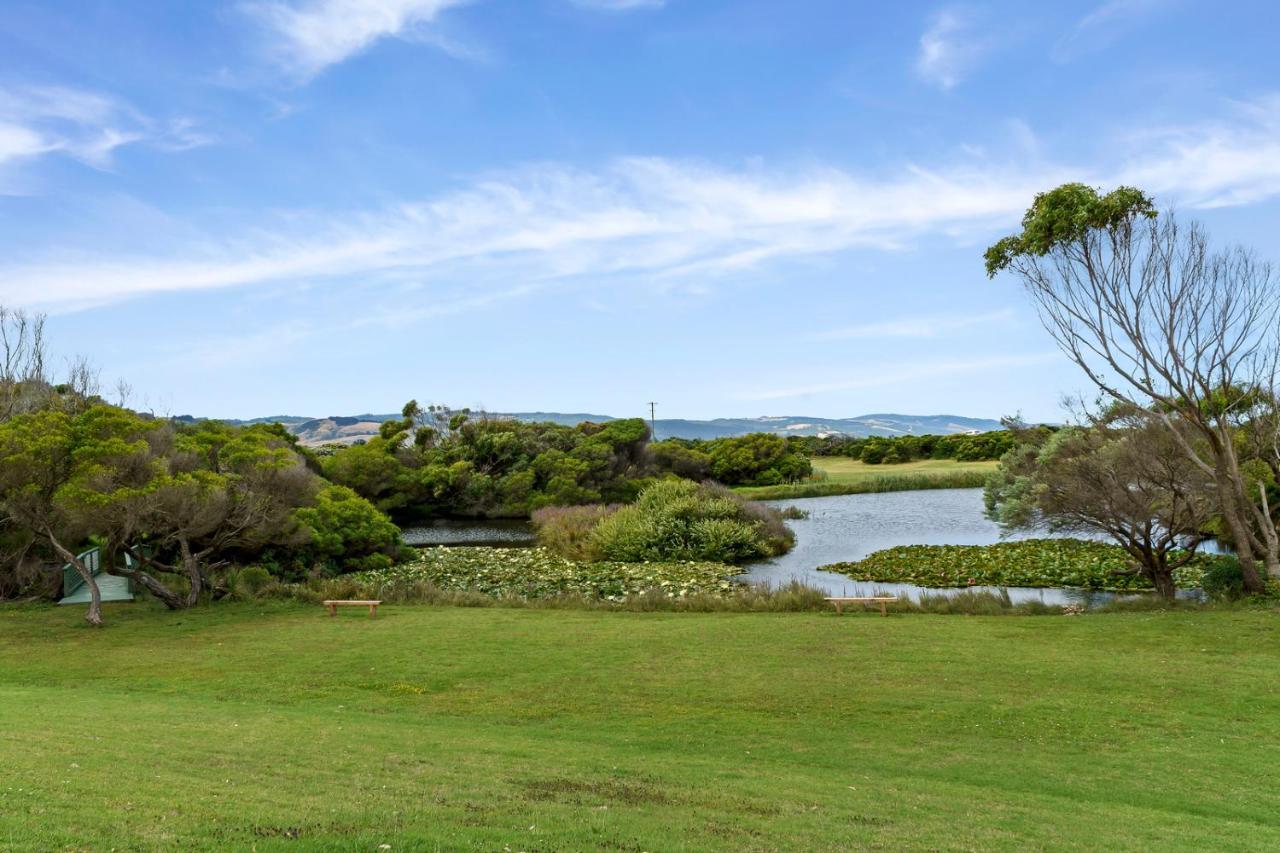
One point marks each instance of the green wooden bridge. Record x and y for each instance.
(110, 587)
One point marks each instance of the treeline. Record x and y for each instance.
(882, 450)
(433, 461)
(758, 459)
(170, 505)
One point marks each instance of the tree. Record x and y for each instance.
(1164, 325)
(41, 457)
(207, 491)
(1125, 476)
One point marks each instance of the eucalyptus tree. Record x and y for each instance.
(1125, 476)
(1162, 323)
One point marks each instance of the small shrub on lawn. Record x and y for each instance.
(251, 580)
(1223, 580)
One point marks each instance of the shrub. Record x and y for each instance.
(567, 529)
(1223, 578)
(347, 531)
(251, 580)
(680, 520)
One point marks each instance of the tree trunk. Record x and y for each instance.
(1163, 580)
(192, 564)
(94, 615)
(168, 597)
(1231, 513)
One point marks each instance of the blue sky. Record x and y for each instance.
(733, 208)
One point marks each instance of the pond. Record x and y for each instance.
(840, 528)
(499, 533)
(850, 527)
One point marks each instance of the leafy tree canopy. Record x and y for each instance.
(1067, 214)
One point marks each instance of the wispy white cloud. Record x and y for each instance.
(1102, 26)
(307, 36)
(916, 327)
(87, 126)
(882, 375)
(641, 215)
(660, 219)
(1215, 163)
(949, 49)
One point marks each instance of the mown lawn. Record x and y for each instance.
(840, 470)
(272, 726)
(840, 476)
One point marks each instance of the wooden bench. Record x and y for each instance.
(334, 605)
(840, 602)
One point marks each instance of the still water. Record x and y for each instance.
(841, 528)
(499, 533)
(850, 527)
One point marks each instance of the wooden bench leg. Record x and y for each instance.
(840, 607)
(373, 611)
(333, 610)
(884, 611)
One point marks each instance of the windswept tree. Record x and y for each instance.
(1162, 323)
(44, 456)
(196, 495)
(1125, 475)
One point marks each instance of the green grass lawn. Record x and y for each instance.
(838, 469)
(273, 726)
(835, 475)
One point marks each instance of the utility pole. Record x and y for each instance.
(653, 428)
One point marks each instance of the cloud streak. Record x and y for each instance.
(307, 36)
(1102, 26)
(948, 50)
(87, 126)
(655, 218)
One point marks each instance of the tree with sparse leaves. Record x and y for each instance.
(1164, 324)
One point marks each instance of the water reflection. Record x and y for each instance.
(850, 527)
(502, 533)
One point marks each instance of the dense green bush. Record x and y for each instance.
(346, 532)
(251, 580)
(758, 459)
(492, 467)
(681, 520)
(1223, 579)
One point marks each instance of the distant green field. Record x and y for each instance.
(840, 476)
(274, 727)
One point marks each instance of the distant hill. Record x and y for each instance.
(344, 429)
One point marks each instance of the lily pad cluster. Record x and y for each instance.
(1072, 563)
(539, 573)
